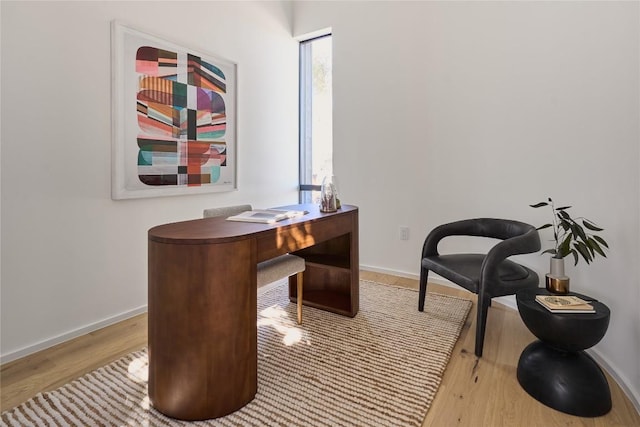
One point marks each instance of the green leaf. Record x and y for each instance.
(563, 214)
(584, 251)
(566, 225)
(564, 247)
(601, 241)
(595, 247)
(579, 231)
(575, 257)
(539, 205)
(549, 251)
(591, 226)
(542, 227)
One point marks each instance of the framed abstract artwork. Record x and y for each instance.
(174, 118)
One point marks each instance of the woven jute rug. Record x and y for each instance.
(381, 368)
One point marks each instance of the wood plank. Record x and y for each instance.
(473, 391)
(55, 366)
(485, 391)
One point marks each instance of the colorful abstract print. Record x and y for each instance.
(181, 117)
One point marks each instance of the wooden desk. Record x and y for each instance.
(203, 301)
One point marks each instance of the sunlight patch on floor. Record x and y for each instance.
(278, 318)
(138, 370)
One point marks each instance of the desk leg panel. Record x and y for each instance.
(354, 261)
(202, 328)
(332, 274)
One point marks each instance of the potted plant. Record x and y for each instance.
(570, 237)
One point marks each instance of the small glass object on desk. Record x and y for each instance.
(329, 201)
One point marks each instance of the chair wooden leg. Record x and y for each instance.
(299, 283)
(481, 323)
(424, 273)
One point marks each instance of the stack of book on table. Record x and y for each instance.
(266, 216)
(565, 304)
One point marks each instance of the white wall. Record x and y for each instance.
(451, 110)
(72, 258)
(443, 110)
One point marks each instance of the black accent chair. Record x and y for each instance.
(487, 275)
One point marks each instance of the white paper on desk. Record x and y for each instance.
(266, 216)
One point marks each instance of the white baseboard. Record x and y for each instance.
(59, 339)
(434, 278)
(622, 381)
(510, 302)
(390, 272)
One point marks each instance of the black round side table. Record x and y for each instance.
(555, 370)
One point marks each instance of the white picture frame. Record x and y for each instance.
(173, 118)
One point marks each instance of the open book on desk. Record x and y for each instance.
(565, 304)
(266, 216)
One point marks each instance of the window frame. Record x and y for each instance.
(305, 119)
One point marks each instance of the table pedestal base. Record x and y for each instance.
(571, 382)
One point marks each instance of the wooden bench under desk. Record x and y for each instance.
(203, 301)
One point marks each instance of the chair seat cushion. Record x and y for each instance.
(464, 269)
(279, 268)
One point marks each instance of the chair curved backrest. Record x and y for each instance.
(488, 275)
(225, 211)
(503, 229)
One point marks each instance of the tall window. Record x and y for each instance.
(316, 130)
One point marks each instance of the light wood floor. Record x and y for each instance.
(474, 392)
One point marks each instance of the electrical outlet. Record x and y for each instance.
(404, 233)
